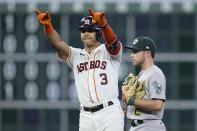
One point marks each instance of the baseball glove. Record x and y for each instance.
(140, 91)
(129, 88)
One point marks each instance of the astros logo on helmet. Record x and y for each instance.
(86, 22)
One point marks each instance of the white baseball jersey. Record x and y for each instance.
(155, 88)
(96, 74)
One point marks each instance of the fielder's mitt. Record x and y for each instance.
(140, 91)
(129, 88)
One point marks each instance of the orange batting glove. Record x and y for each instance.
(98, 18)
(43, 18)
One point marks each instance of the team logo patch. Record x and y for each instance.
(135, 41)
(157, 87)
(87, 21)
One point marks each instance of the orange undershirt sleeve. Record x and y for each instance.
(48, 29)
(111, 42)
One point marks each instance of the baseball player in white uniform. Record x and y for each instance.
(96, 70)
(146, 114)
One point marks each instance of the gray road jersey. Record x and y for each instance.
(155, 88)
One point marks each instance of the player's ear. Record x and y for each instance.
(148, 54)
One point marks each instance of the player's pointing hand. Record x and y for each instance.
(43, 18)
(37, 11)
(98, 18)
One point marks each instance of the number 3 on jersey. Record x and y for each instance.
(103, 79)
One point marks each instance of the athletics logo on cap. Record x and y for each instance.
(135, 41)
(143, 43)
(87, 21)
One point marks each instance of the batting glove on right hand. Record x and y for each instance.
(98, 18)
(43, 18)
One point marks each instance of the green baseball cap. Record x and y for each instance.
(143, 43)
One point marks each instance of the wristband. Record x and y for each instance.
(103, 27)
(131, 101)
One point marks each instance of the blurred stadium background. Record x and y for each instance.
(36, 89)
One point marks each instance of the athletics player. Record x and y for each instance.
(145, 114)
(96, 70)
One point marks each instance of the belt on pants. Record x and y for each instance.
(136, 122)
(97, 108)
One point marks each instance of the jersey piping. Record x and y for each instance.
(94, 77)
(88, 82)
